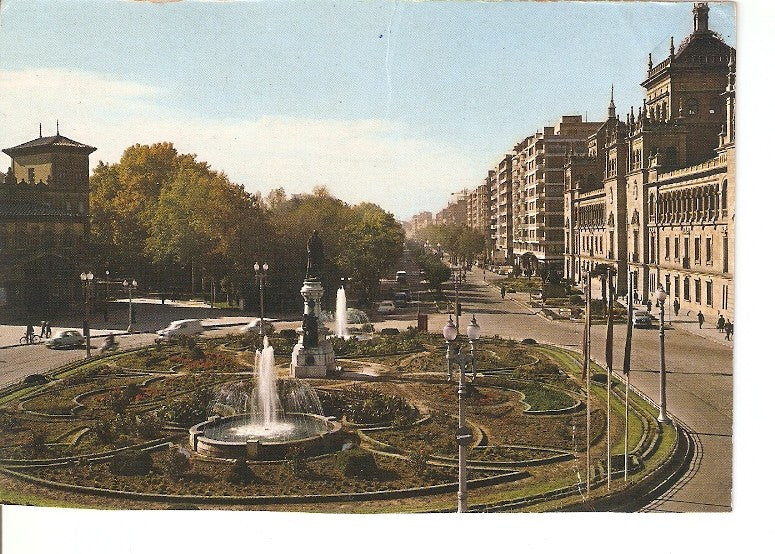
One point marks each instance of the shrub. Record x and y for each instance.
(36, 379)
(296, 463)
(529, 341)
(390, 331)
(148, 426)
(104, 432)
(240, 473)
(356, 462)
(177, 463)
(9, 421)
(418, 461)
(131, 462)
(288, 334)
(38, 442)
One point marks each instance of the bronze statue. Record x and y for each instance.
(314, 256)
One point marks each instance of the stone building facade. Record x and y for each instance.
(654, 195)
(44, 225)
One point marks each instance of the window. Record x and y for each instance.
(686, 289)
(652, 250)
(697, 291)
(697, 250)
(675, 244)
(30, 174)
(708, 251)
(667, 284)
(667, 248)
(724, 297)
(709, 293)
(676, 282)
(724, 196)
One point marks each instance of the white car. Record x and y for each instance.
(66, 339)
(386, 307)
(255, 327)
(181, 328)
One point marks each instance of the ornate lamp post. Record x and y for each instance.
(663, 417)
(129, 286)
(260, 279)
(87, 280)
(464, 435)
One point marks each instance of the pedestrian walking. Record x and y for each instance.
(720, 323)
(503, 292)
(42, 328)
(700, 319)
(29, 333)
(728, 328)
(47, 329)
(648, 305)
(676, 306)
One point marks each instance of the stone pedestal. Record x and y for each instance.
(319, 360)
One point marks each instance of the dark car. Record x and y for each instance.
(642, 319)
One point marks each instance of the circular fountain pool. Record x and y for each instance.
(241, 437)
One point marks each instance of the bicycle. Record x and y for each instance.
(34, 339)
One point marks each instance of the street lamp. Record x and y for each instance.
(129, 286)
(107, 291)
(87, 280)
(261, 278)
(661, 297)
(464, 435)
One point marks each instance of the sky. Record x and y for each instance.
(397, 103)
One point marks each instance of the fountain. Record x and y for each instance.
(267, 428)
(341, 313)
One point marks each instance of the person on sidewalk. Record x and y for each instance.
(648, 305)
(728, 328)
(676, 306)
(29, 333)
(700, 319)
(503, 292)
(720, 323)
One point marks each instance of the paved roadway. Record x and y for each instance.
(699, 379)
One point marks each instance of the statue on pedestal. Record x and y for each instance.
(314, 256)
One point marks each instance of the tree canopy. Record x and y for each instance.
(173, 223)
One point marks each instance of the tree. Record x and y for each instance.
(374, 243)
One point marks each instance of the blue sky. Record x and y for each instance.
(399, 103)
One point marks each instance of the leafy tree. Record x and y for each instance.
(374, 243)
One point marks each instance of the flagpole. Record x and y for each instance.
(626, 370)
(586, 372)
(608, 347)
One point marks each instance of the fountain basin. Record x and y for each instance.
(238, 437)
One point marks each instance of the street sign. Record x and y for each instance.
(464, 436)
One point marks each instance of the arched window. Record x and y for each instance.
(692, 106)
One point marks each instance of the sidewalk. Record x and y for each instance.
(685, 321)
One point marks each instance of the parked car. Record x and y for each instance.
(66, 339)
(180, 328)
(386, 307)
(401, 276)
(255, 327)
(401, 299)
(642, 319)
